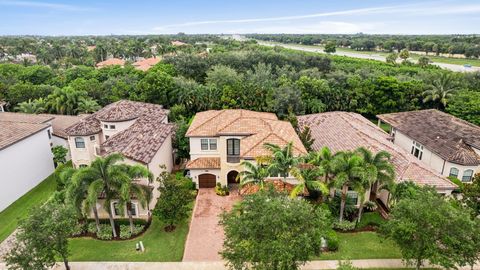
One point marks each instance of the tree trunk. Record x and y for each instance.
(65, 262)
(95, 214)
(129, 208)
(360, 211)
(419, 264)
(343, 201)
(112, 223)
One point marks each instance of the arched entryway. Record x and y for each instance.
(207, 180)
(232, 177)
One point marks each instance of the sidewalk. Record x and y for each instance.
(218, 265)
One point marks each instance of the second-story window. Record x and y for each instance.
(417, 150)
(204, 144)
(453, 172)
(112, 126)
(208, 144)
(213, 144)
(467, 176)
(79, 142)
(92, 138)
(233, 147)
(49, 134)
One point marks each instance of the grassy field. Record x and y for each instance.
(19, 209)
(160, 246)
(362, 245)
(433, 58)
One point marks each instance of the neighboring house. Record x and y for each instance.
(147, 63)
(25, 155)
(344, 131)
(139, 131)
(221, 139)
(59, 125)
(447, 144)
(178, 43)
(111, 62)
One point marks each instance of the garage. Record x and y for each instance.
(207, 180)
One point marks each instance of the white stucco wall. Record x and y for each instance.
(119, 126)
(56, 141)
(24, 165)
(196, 150)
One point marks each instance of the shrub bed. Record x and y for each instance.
(122, 226)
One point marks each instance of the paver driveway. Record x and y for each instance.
(205, 237)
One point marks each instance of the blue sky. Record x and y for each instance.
(62, 17)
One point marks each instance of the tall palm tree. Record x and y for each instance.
(131, 188)
(87, 105)
(308, 179)
(378, 169)
(441, 90)
(31, 106)
(105, 176)
(322, 159)
(349, 171)
(253, 174)
(282, 161)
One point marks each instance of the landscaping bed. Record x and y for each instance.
(122, 227)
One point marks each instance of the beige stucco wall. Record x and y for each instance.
(196, 150)
(103, 214)
(119, 126)
(431, 159)
(84, 155)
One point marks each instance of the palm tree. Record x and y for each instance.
(31, 106)
(308, 179)
(441, 90)
(349, 172)
(322, 159)
(88, 105)
(253, 174)
(282, 161)
(65, 100)
(378, 169)
(131, 188)
(104, 177)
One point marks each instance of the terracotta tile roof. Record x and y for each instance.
(146, 64)
(61, 122)
(257, 127)
(111, 62)
(140, 141)
(204, 163)
(449, 137)
(342, 131)
(25, 117)
(12, 132)
(178, 43)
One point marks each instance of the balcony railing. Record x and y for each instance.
(233, 158)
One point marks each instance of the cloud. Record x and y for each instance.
(31, 4)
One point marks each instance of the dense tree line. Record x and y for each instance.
(245, 75)
(468, 45)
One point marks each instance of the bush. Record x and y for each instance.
(346, 265)
(344, 225)
(79, 229)
(91, 227)
(370, 206)
(221, 191)
(125, 231)
(105, 232)
(332, 240)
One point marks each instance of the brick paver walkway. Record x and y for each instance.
(205, 238)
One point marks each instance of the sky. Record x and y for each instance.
(130, 17)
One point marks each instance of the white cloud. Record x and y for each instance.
(45, 5)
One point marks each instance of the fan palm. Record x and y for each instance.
(253, 173)
(441, 90)
(378, 169)
(349, 171)
(308, 179)
(282, 161)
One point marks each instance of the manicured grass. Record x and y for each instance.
(384, 126)
(372, 219)
(160, 246)
(19, 209)
(362, 245)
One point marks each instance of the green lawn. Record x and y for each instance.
(19, 209)
(362, 245)
(371, 219)
(160, 246)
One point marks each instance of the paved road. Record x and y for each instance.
(453, 67)
(205, 237)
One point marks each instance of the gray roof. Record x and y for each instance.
(446, 135)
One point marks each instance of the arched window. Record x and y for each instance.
(453, 172)
(467, 176)
(79, 142)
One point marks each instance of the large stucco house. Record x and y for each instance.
(345, 131)
(447, 144)
(139, 131)
(221, 139)
(25, 155)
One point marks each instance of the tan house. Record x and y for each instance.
(345, 131)
(139, 131)
(447, 144)
(221, 139)
(147, 63)
(111, 62)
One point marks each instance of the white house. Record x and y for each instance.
(447, 144)
(25, 155)
(221, 139)
(139, 131)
